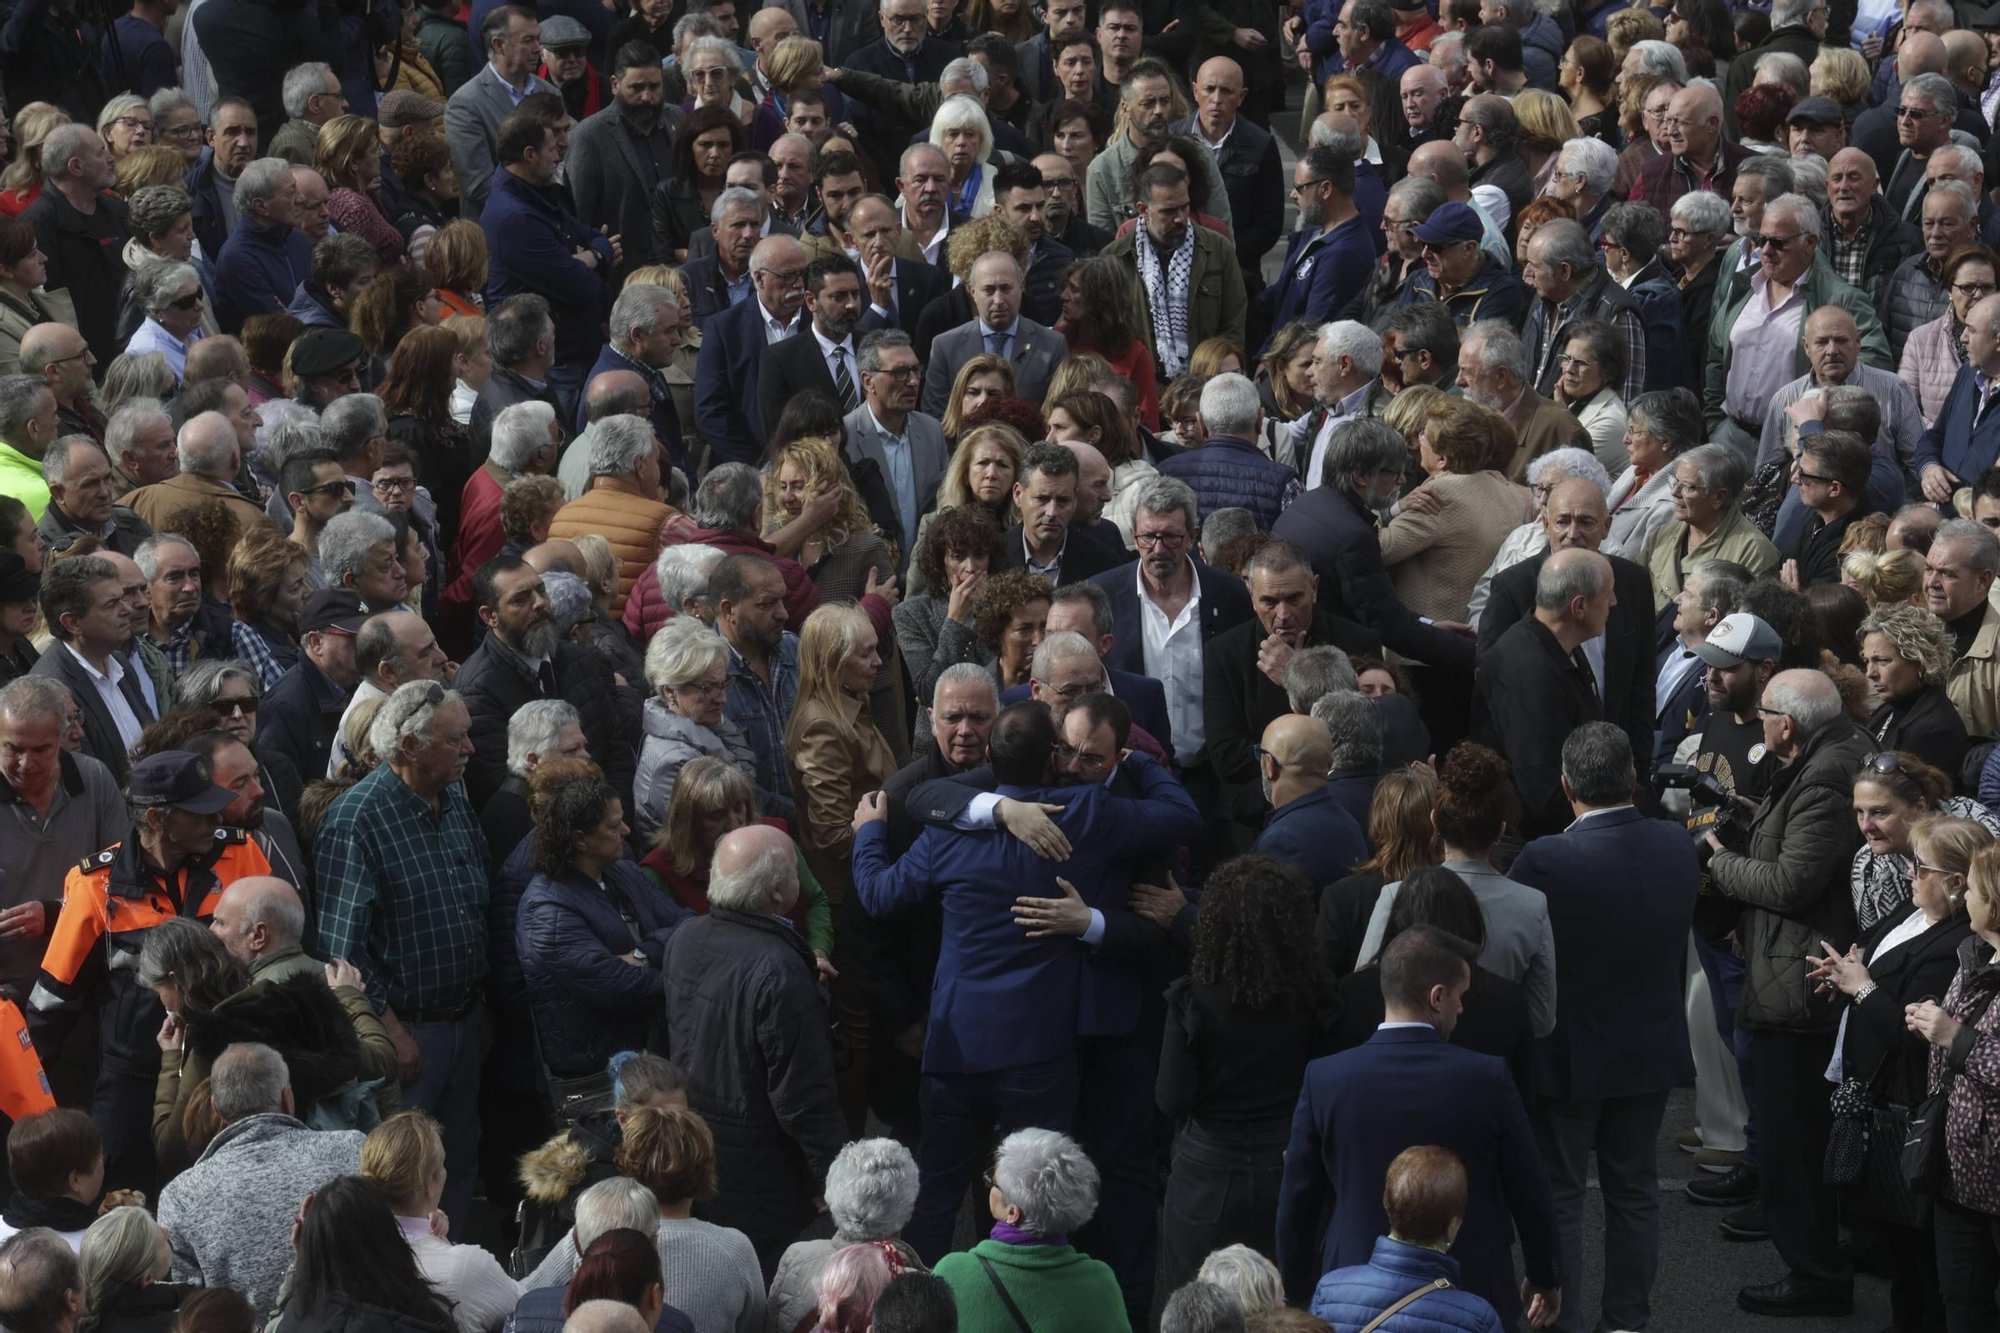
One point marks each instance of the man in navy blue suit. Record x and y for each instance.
(1408, 1085)
(732, 348)
(1308, 829)
(1000, 1049)
(1621, 890)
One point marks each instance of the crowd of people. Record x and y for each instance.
(639, 642)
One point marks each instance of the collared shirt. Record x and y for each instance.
(1676, 665)
(761, 712)
(514, 95)
(152, 337)
(936, 246)
(1173, 657)
(1763, 347)
(1214, 147)
(179, 646)
(775, 330)
(826, 350)
(1605, 810)
(998, 341)
(1353, 405)
(902, 470)
(1850, 258)
(270, 654)
(403, 891)
(1052, 571)
(739, 289)
(106, 682)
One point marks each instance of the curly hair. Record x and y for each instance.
(1870, 534)
(1475, 797)
(671, 1152)
(1544, 208)
(211, 528)
(1000, 595)
(1111, 302)
(415, 156)
(1916, 633)
(1254, 935)
(1761, 109)
(570, 812)
(1095, 118)
(1399, 824)
(1022, 415)
(969, 240)
(818, 459)
(527, 502)
(963, 530)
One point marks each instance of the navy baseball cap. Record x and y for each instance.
(179, 780)
(1450, 222)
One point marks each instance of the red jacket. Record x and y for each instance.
(480, 538)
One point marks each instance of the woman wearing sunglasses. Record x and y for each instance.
(1893, 793)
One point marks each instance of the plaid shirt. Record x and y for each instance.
(271, 655)
(762, 711)
(1850, 258)
(403, 892)
(1593, 300)
(179, 649)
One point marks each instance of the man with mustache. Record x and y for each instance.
(522, 660)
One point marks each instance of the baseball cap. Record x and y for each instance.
(404, 107)
(560, 32)
(177, 779)
(1739, 638)
(337, 609)
(1450, 222)
(323, 351)
(1815, 111)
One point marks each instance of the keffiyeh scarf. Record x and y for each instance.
(1167, 292)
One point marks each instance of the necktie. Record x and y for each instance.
(997, 343)
(545, 679)
(1581, 661)
(843, 383)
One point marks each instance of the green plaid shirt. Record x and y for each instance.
(403, 892)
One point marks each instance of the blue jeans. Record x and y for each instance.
(1725, 988)
(448, 1088)
(962, 1115)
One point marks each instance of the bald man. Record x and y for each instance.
(1867, 240)
(1701, 158)
(733, 344)
(262, 922)
(1423, 91)
(553, 551)
(1622, 658)
(1247, 155)
(1093, 493)
(614, 1316)
(1307, 828)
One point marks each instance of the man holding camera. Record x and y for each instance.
(1790, 878)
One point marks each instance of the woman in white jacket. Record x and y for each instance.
(1659, 427)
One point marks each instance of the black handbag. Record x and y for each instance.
(1924, 1151)
(1864, 1156)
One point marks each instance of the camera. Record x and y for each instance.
(1714, 808)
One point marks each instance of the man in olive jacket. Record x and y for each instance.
(1792, 879)
(1217, 305)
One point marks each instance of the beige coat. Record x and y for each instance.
(1736, 539)
(1973, 684)
(1434, 559)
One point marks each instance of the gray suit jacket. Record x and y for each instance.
(1038, 350)
(612, 181)
(928, 456)
(472, 127)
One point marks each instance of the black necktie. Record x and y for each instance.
(1581, 661)
(545, 678)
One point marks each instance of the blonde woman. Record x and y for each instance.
(1080, 372)
(980, 380)
(125, 1260)
(403, 1158)
(1284, 376)
(840, 556)
(21, 182)
(961, 131)
(457, 259)
(982, 472)
(1884, 578)
(837, 755)
(152, 164)
(126, 124)
(1544, 124)
(349, 156)
(1841, 75)
(473, 365)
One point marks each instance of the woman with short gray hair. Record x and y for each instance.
(1041, 1189)
(170, 293)
(1659, 427)
(871, 1190)
(687, 668)
(161, 222)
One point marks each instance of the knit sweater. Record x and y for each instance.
(712, 1274)
(1058, 1289)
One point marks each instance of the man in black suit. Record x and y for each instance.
(819, 358)
(1621, 890)
(1335, 525)
(1535, 686)
(1243, 672)
(1065, 219)
(898, 289)
(1043, 542)
(1623, 661)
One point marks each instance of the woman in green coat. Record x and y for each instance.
(1041, 1189)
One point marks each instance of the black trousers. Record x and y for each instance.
(1795, 1114)
(1968, 1267)
(1223, 1191)
(1115, 1115)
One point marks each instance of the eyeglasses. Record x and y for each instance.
(1774, 243)
(787, 277)
(1772, 712)
(1441, 247)
(1884, 762)
(182, 132)
(1679, 487)
(1683, 234)
(1923, 869)
(132, 123)
(1799, 471)
(707, 75)
(330, 488)
(189, 302)
(901, 20)
(246, 706)
(1069, 694)
(73, 356)
(704, 687)
(1305, 185)
(1567, 362)
(1154, 541)
(1974, 288)
(897, 372)
(1914, 113)
(395, 485)
(1566, 175)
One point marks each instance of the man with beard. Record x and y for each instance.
(1188, 276)
(234, 768)
(1020, 195)
(522, 660)
(1332, 256)
(1146, 97)
(820, 357)
(1065, 219)
(619, 155)
(539, 247)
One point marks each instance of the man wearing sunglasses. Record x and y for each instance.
(1924, 117)
(1756, 340)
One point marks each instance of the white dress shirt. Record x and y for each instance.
(775, 329)
(1173, 657)
(128, 723)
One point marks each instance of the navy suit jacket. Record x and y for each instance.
(666, 420)
(1002, 1000)
(1953, 440)
(1314, 835)
(1143, 696)
(725, 384)
(917, 285)
(708, 290)
(1403, 1087)
(1621, 890)
(1225, 604)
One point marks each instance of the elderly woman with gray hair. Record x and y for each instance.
(1545, 472)
(1659, 427)
(687, 667)
(1042, 1188)
(161, 221)
(170, 293)
(871, 1190)
(126, 1259)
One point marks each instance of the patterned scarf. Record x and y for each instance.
(1167, 293)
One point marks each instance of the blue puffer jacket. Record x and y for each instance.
(588, 1002)
(1350, 1297)
(1230, 473)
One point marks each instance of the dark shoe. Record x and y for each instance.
(1792, 1296)
(1728, 1191)
(1746, 1224)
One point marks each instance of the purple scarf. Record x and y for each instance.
(1009, 1234)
